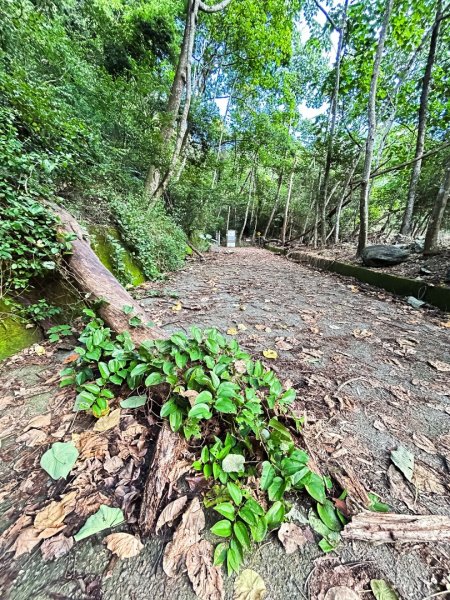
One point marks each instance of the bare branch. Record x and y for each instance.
(213, 9)
(327, 16)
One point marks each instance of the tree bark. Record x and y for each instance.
(372, 124)
(95, 279)
(422, 125)
(437, 215)
(244, 225)
(343, 196)
(333, 118)
(275, 204)
(155, 183)
(286, 206)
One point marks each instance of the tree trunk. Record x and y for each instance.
(95, 279)
(246, 212)
(286, 207)
(437, 215)
(275, 204)
(343, 196)
(333, 117)
(422, 125)
(372, 124)
(155, 184)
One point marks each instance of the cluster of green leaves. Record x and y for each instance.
(214, 392)
(159, 244)
(30, 245)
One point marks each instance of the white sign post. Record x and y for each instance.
(231, 238)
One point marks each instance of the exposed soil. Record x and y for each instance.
(362, 362)
(431, 269)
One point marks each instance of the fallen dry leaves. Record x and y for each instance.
(25, 542)
(90, 444)
(56, 547)
(170, 513)
(206, 579)
(439, 365)
(292, 537)
(108, 422)
(187, 534)
(249, 586)
(123, 545)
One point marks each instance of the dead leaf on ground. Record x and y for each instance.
(39, 422)
(56, 547)
(113, 464)
(425, 444)
(232, 331)
(13, 530)
(27, 539)
(403, 459)
(240, 366)
(171, 512)
(191, 395)
(32, 438)
(399, 488)
(249, 586)
(341, 593)
(292, 537)
(124, 545)
(360, 334)
(53, 515)
(439, 365)
(90, 444)
(90, 504)
(426, 480)
(271, 354)
(108, 422)
(187, 534)
(206, 579)
(283, 345)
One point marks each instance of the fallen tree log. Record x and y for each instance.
(166, 468)
(94, 279)
(391, 528)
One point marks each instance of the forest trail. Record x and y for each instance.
(367, 369)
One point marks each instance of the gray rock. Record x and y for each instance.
(415, 302)
(383, 256)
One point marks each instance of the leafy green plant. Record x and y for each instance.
(212, 390)
(59, 331)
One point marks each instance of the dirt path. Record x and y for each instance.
(360, 361)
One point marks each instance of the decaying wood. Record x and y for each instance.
(166, 467)
(389, 528)
(348, 480)
(95, 279)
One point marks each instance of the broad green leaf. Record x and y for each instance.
(267, 475)
(225, 405)
(327, 513)
(220, 554)
(199, 411)
(133, 402)
(104, 518)
(275, 515)
(204, 397)
(241, 533)
(59, 459)
(235, 492)
(226, 509)
(222, 528)
(154, 379)
(259, 531)
(382, 590)
(276, 489)
(404, 460)
(315, 487)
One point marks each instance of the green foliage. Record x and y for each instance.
(159, 244)
(215, 392)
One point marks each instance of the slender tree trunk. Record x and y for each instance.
(286, 206)
(372, 124)
(422, 124)
(244, 225)
(275, 204)
(182, 84)
(316, 210)
(333, 118)
(437, 215)
(344, 195)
